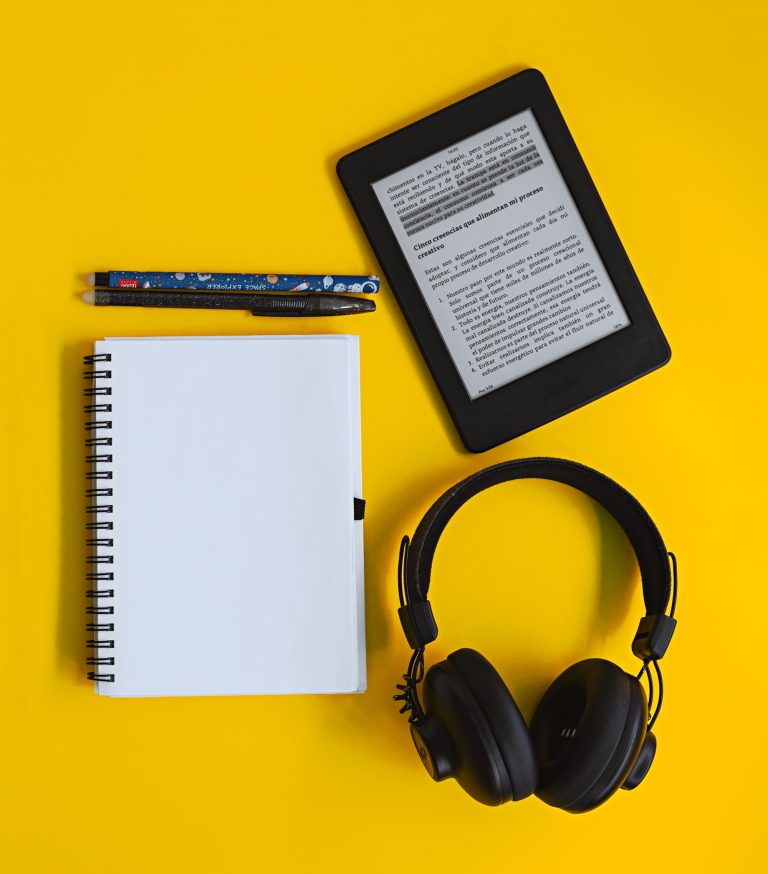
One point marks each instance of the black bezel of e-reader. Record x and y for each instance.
(556, 388)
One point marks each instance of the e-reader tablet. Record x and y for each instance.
(504, 261)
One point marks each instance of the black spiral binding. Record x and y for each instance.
(99, 454)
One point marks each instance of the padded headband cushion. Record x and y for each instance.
(503, 717)
(626, 510)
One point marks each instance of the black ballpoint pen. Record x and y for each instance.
(257, 304)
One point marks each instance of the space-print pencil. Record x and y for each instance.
(235, 281)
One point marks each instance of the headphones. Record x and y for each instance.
(591, 732)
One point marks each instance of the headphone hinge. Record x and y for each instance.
(418, 623)
(653, 636)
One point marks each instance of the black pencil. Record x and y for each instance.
(258, 304)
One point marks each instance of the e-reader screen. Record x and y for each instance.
(501, 254)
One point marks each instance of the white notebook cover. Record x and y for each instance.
(237, 563)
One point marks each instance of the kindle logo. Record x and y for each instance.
(127, 283)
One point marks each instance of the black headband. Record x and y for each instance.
(652, 555)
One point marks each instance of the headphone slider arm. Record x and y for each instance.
(418, 624)
(653, 636)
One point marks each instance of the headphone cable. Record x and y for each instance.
(401, 559)
(674, 584)
(408, 694)
(655, 662)
(656, 712)
(644, 670)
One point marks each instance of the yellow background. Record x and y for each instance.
(204, 135)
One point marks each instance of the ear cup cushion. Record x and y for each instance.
(470, 745)
(503, 716)
(587, 732)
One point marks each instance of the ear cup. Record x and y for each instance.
(507, 725)
(467, 744)
(587, 733)
(492, 727)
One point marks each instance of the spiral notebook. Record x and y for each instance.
(225, 532)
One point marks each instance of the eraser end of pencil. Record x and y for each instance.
(89, 297)
(90, 279)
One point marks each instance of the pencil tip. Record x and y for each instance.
(90, 279)
(89, 296)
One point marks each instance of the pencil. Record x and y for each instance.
(258, 304)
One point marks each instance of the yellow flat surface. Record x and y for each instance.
(204, 136)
